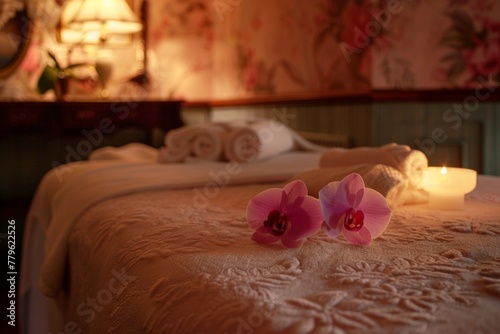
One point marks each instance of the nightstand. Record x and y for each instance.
(52, 119)
(37, 136)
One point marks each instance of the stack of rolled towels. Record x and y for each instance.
(394, 170)
(239, 141)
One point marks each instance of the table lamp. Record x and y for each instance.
(101, 23)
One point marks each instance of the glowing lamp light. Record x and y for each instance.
(447, 186)
(101, 23)
(98, 22)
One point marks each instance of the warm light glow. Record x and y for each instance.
(448, 186)
(97, 21)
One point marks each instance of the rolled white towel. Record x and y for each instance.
(411, 163)
(209, 144)
(204, 141)
(177, 145)
(388, 181)
(258, 140)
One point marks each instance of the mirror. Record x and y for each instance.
(15, 34)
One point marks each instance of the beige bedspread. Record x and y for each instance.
(138, 247)
(153, 262)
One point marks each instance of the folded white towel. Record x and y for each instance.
(411, 163)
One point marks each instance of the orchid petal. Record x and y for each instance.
(355, 189)
(361, 237)
(283, 201)
(264, 238)
(259, 207)
(332, 232)
(377, 212)
(296, 191)
(327, 199)
(333, 202)
(350, 195)
(287, 214)
(305, 220)
(335, 222)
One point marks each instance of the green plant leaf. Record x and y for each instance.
(47, 79)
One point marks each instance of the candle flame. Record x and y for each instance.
(444, 170)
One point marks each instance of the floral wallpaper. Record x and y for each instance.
(439, 44)
(236, 48)
(226, 49)
(181, 42)
(472, 42)
(302, 52)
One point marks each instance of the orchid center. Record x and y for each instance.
(277, 222)
(354, 220)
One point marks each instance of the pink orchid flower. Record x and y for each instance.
(287, 214)
(360, 214)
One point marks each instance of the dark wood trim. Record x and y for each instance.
(483, 94)
(491, 94)
(341, 96)
(441, 95)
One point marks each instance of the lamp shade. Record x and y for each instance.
(97, 21)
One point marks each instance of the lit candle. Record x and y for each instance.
(448, 186)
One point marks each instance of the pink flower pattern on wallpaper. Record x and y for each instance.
(344, 22)
(183, 19)
(325, 25)
(484, 58)
(356, 19)
(474, 42)
(259, 77)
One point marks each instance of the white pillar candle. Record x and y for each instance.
(447, 186)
